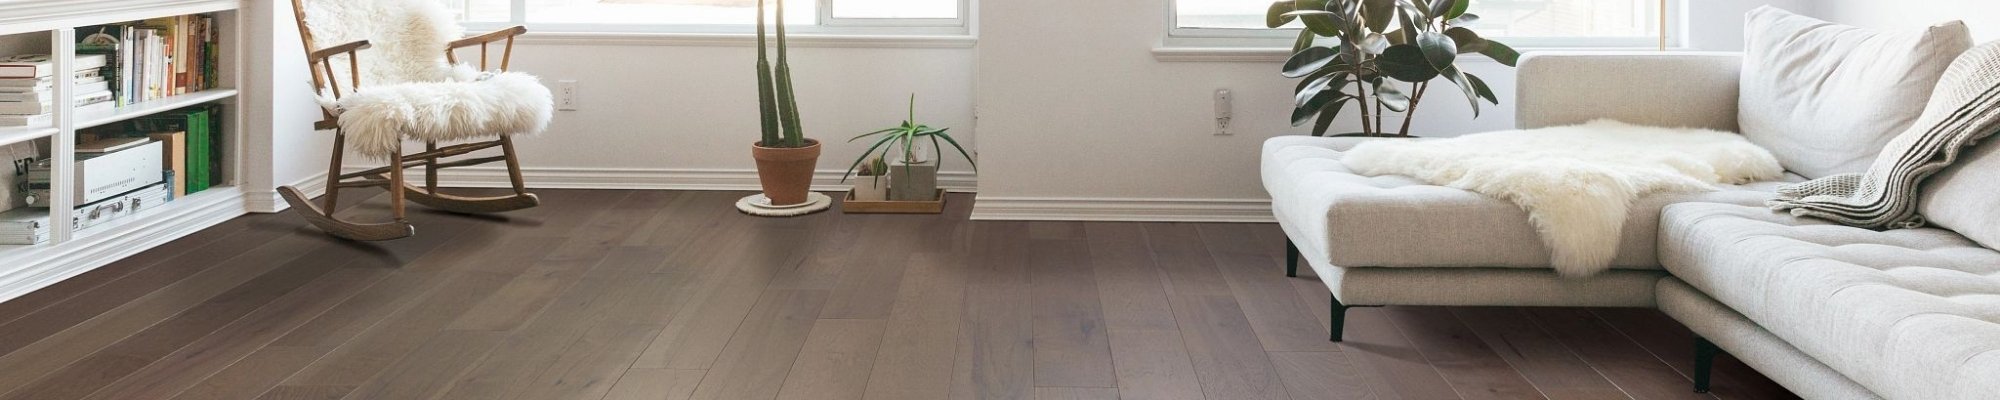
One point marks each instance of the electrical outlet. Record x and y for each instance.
(1225, 110)
(566, 95)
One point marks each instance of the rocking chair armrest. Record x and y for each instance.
(344, 48)
(488, 37)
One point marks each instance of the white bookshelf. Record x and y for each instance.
(71, 252)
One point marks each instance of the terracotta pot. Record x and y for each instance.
(786, 173)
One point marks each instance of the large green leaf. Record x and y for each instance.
(1479, 86)
(1392, 98)
(1458, 8)
(1321, 22)
(1305, 62)
(1410, 26)
(1500, 52)
(1305, 112)
(1377, 14)
(1406, 62)
(1464, 85)
(1398, 36)
(1306, 38)
(1277, 16)
(1320, 85)
(1468, 41)
(1441, 9)
(1308, 80)
(1462, 20)
(1374, 43)
(1327, 115)
(1439, 49)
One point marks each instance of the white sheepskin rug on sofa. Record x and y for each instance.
(1576, 182)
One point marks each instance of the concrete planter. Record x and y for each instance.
(913, 182)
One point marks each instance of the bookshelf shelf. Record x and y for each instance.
(241, 166)
(13, 135)
(94, 119)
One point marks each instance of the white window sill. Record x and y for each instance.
(1280, 54)
(746, 40)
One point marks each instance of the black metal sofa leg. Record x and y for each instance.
(1338, 319)
(1704, 362)
(1291, 259)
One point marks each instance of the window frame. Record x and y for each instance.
(825, 25)
(1242, 38)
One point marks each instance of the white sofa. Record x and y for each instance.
(1828, 311)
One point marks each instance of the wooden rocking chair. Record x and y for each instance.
(391, 177)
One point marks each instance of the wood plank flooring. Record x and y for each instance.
(673, 295)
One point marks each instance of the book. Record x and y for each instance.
(39, 96)
(49, 119)
(40, 65)
(38, 108)
(202, 167)
(175, 150)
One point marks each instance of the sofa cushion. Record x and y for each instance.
(1962, 197)
(1910, 314)
(1825, 97)
(1396, 221)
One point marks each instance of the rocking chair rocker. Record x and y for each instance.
(406, 121)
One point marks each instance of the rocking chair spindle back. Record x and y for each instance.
(321, 60)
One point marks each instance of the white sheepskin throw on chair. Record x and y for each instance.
(1576, 182)
(471, 106)
(407, 89)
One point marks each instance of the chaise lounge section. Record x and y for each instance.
(1828, 311)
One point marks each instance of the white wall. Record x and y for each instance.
(678, 116)
(1983, 16)
(280, 108)
(1074, 109)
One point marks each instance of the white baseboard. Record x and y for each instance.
(653, 179)
(271, 202)
(32, 268)
(1130, 210)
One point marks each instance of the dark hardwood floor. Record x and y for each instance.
(673, 295)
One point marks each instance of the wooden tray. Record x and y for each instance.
(852, 206)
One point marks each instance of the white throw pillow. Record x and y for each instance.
(1826, 97)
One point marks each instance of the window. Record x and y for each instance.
(1522, 23)
(718, 16)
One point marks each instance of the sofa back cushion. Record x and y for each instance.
(1965, 197)
(1825, 97)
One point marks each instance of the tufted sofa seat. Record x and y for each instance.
(1910, 314)
(1397, 221)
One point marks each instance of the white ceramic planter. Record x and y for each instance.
(871, 188)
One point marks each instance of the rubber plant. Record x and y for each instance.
(1380, 56)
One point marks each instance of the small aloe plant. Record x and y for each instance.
(906, 136)
(778, 107)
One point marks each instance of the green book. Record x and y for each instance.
(204, 162)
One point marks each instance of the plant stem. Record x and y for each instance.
(1414, 99)
(1368, 127)
(1379, 114)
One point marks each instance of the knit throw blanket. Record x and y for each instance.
(1964, 108)
(1578, 182)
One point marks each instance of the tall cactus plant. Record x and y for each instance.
(778, 107)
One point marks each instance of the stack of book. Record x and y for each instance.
(156, 58)
(27, 85)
